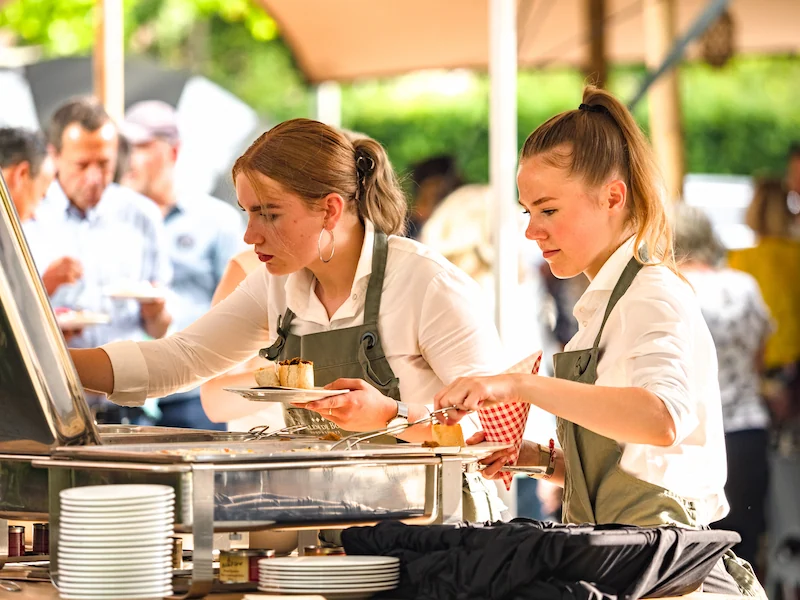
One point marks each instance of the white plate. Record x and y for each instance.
(115, 592)
(326, 595)
(113, 596)
(122, 492)
(134, 509)
(135, 291)
(284, 395)
(93, 518)
(80, 565)
(79, 531)
(142, 578)
(122, 525)
(66, 550)
(334, 562)
(77, 542)
(323, 580)
(318, 571)
(310, 589)
(71, 320)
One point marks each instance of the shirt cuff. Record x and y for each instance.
(130, 373)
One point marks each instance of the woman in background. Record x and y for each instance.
(740, 324)
(774, 262)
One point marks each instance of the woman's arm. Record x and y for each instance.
(94, 369)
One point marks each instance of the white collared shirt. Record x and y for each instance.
(432, 324)
(656, 339)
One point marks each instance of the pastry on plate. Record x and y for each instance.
(296, 373)
(268, 376)
(448, 435)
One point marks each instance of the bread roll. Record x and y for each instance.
(448, 435)
(296, 373)
(268, 376)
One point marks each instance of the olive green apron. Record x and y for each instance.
(356, 352)
(352, 352)
(596, 489)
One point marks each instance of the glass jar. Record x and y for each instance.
(16, 540)
(41, 538)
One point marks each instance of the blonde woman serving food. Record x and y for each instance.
(636, 391)
(378, 314)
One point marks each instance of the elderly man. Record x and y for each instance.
(115, 233)
(28, 172)
(203, 234)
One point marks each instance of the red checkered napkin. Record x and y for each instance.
(505, 423)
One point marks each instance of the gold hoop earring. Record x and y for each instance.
(319, 246)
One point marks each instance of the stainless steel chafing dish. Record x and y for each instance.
(49, 442)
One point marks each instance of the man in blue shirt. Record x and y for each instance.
(116, 234)
(203, 233)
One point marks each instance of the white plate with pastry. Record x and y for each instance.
(142, 291)
(75, 320)
(285, 395)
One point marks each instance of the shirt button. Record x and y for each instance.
(355, 296)
(585, 323)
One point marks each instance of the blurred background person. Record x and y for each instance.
(29, 171)
(116, 234)
(432, 180)
(740, 324)
(203, 234)
(774, 262)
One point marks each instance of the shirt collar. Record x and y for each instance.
(302, 300)
(57, 198)
(609, 274)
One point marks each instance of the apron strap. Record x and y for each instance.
(624, 282)
(372, 303)
(284, 324)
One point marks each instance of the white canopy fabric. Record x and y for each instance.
(351, 39)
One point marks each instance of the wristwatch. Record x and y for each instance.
(401, 418)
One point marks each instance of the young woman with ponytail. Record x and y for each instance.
(635, 392)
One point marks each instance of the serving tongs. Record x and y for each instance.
(260, 432)
(355, 439)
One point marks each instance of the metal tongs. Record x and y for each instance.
(355, 439)
(259, 432)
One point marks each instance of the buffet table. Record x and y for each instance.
(45, 591)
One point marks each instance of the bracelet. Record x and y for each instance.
(551, 464)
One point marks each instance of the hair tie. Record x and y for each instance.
(595, 108)
(365, 164)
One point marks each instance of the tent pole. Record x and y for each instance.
(109, 57)
(664, 96)
(597, 70)
(329, 103)
(503, 157)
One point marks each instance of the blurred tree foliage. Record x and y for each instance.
(739, 119)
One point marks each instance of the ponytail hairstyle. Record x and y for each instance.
(311, 159)
(601, 140)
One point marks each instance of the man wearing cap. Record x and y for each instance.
(116, 234)
(203, 233)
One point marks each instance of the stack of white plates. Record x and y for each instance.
(335, 577)
(114, 542)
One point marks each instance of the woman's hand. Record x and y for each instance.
(528, 456)
(495, 462)
(467, 394)
(362, 409)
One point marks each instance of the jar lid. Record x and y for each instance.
(41, 525)
(16, 529)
